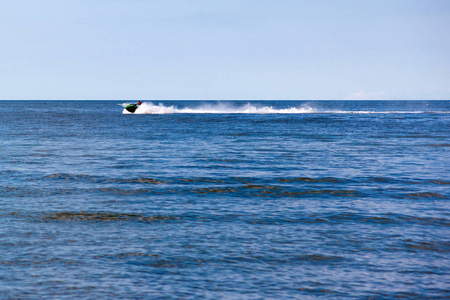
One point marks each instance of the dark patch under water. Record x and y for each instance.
(225, 200)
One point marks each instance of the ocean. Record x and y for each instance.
(225, 200)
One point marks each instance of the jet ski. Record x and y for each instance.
(132, 107)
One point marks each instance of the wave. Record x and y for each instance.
(250, 108)
(103, 216)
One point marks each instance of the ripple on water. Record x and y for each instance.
(332, 218)
(425, 195)
(103, 216)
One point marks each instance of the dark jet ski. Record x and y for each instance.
(132, 107)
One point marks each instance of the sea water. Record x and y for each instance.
(240, 200)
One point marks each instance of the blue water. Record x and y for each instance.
(240, 200)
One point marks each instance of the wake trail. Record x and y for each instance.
(227, 108)
(220, 108)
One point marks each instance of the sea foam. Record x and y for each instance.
(250, 108)
(219, 108)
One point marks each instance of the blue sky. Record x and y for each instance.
(230, 49)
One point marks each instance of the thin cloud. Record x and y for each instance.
(363, 95)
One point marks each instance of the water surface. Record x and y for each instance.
(328, 199)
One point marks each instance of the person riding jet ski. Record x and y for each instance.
(132, 107)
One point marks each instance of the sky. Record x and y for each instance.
(224, 49)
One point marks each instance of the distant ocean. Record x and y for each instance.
(225, 200)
